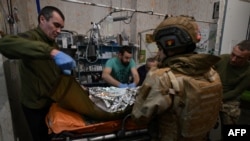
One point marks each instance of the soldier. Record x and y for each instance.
(234, 71)
(183, 97)
(41, 64)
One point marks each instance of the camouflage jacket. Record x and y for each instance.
(154, 102)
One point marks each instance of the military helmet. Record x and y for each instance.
(176, 32)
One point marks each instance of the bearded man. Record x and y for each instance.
(118, 69)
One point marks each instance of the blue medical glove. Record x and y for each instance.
(64, 61)
(67, 72)
(132, 85)
(121, 85)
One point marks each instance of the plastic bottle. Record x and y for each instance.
(108, 26)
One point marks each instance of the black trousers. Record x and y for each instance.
(36, 122)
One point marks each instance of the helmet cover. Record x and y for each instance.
(175, 32)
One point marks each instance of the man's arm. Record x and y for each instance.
(15, 47)
(106, 75)
(238, 90)
(135, 75)
(151, 98)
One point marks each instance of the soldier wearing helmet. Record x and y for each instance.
(159, 102)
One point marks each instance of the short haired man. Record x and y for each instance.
(234, 71)
(41, 64)
(143, 70)
(117, 70)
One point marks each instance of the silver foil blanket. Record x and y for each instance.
(112, 99)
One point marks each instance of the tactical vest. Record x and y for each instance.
(196, 102)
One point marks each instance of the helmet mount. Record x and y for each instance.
(177, 33)
(173, 37)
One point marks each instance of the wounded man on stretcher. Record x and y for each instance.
(94, 112)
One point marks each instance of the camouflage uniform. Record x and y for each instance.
(230, 112)
(164, 106)
(156, 102)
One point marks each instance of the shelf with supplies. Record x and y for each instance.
(91, 61)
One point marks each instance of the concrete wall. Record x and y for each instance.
(21, 12)
(79, 16)
(6, 128)
(235, 25)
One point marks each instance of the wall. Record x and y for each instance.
(201, 10)
(235, 24)
(79, 16)
(6, 128)
(22, 15)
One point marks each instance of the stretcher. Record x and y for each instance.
(65, 125)
(94, 113)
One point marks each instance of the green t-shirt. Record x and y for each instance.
(119, 71)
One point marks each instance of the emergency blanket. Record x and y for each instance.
(112, 99)
(69, 94)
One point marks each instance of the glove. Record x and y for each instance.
(132, 85)
(121, 85)
(67, 72)
(64, 61)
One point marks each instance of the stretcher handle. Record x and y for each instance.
(121, 133)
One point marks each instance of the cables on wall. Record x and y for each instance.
(114, 8)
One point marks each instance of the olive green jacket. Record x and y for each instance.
(235, 80)
(38, 71)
